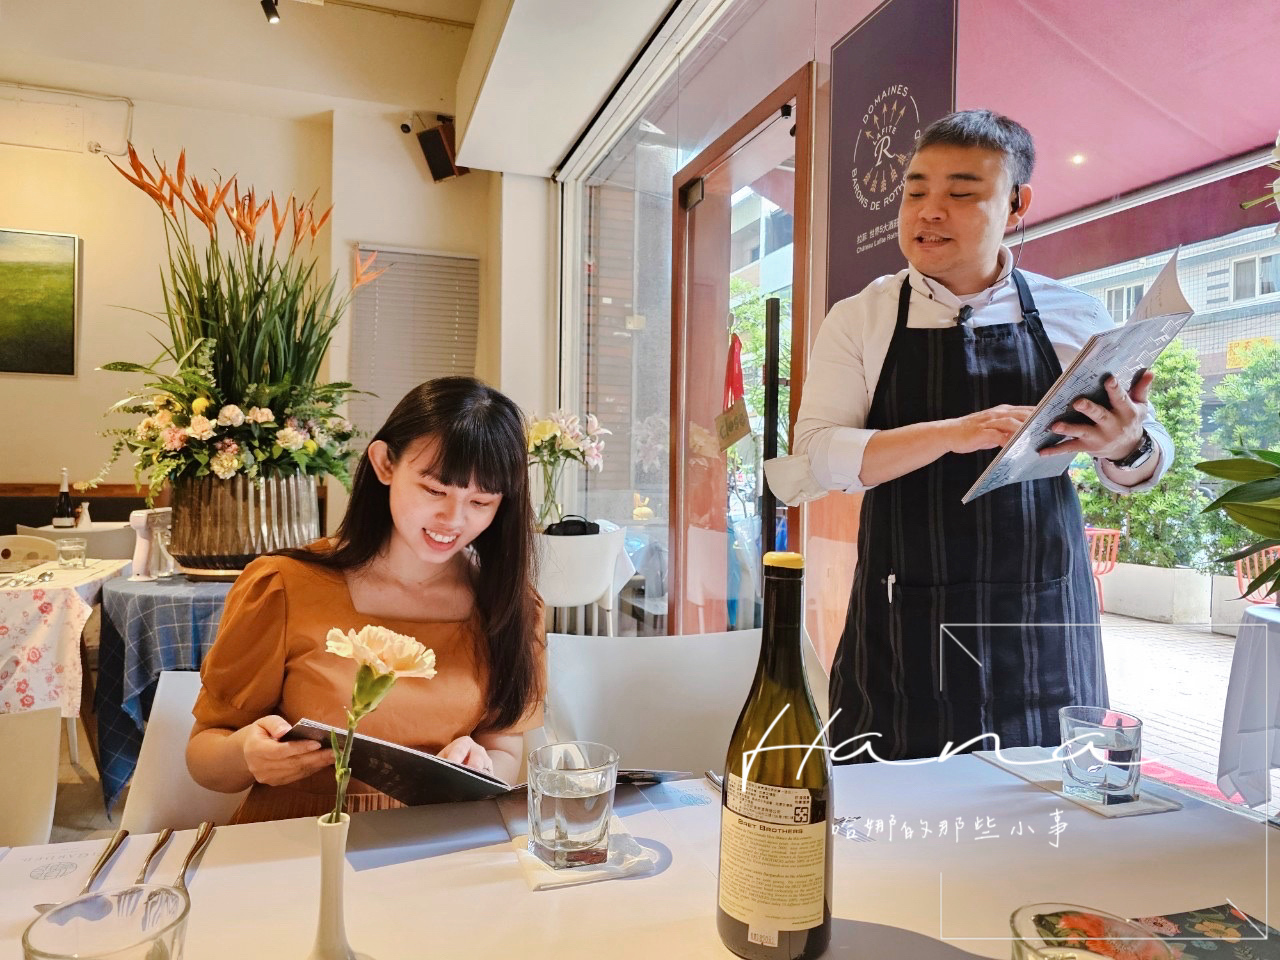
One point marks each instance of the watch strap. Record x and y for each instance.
(1138, 455)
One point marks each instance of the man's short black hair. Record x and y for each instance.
(989, 130)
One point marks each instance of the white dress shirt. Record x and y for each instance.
(845, 363)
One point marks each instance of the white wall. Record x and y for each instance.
(313, 104)
(53, 421)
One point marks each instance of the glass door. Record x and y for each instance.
(740, 263)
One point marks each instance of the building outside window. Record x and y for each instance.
(1120, 301)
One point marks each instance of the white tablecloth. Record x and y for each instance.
(40, 629)
(444, 882)
(1250, 749)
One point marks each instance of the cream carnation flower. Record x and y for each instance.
(291, 438)
(260, 415)
(224, 464)
(201, 428)
(383, 651)
(230, 416)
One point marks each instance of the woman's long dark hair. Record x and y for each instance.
(480, 438)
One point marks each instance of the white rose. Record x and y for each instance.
(230, 416)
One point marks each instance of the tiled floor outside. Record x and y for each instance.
(1173, 677)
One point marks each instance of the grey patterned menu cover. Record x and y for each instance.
(1125, 352)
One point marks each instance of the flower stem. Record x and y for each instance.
(342, 766)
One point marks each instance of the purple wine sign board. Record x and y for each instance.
(39, 274)
(891, 76)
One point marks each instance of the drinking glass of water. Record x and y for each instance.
(1102, 754)
(71, 551)
(570, 802)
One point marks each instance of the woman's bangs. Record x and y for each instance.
(469, 453)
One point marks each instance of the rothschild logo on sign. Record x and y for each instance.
(890, 127)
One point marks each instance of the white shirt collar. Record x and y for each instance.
(936, 291)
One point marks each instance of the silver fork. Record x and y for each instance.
(203, 833)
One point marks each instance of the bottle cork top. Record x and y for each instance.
(778, 558)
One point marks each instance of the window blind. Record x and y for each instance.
(416, 322)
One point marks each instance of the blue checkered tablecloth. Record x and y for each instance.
(147, 627)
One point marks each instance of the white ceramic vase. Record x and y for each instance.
(331, 932)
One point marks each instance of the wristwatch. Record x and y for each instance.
(1140, 455)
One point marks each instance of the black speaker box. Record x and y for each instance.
(437, 147)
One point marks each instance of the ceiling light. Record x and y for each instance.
(269, 8)
(1077, 159)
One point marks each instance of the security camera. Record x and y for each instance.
(406, 127)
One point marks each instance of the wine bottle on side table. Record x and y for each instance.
(63, 513)
(774, 895)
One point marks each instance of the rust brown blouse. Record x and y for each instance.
(269, 658)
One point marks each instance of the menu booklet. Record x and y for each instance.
(1125, 352)
(415, 778)
(408, 775)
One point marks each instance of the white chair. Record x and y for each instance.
(664, 703)
(103, 541)
(33, 549)
(162, 793)
(578, 571)
(29, 745)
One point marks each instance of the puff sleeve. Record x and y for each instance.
(243, 674)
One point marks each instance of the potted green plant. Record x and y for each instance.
(1254, 503)
(233, 414)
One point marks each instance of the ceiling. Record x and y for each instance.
(1143, 90)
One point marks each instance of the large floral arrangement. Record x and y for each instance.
(234, 389)
(1274, 195)
(557, 440)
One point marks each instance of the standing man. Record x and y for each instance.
(913, 385)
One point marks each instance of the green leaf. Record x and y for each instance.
(1259, 519)
(1266, 577)
(1248, 551)
(1255, 491)
(1271, 456)
(1239, 470)
(122, 366)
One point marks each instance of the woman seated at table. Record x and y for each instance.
(436, 543)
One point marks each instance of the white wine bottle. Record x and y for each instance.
(63, 514)
(774, 895)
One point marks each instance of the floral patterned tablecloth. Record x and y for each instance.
(40, 629)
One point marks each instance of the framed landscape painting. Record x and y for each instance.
(38, 302)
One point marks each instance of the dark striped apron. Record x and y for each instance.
(965, 619)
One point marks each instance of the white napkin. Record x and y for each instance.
(1047, 775)
(627, 858)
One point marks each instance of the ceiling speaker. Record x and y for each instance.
(437, 147)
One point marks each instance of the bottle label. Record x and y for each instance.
(772, 859)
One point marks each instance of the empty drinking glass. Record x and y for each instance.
(146, 921)
(71, 551)
(570, 802)
(1101, 754)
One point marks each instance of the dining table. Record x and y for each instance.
(1250, 745)
(41, 621)
(445, 881)
(148, 626)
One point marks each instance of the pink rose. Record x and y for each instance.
(28, 701)
(46, 607)
(4, 630)
(21, 686)
(37, 594)
(34, 655)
